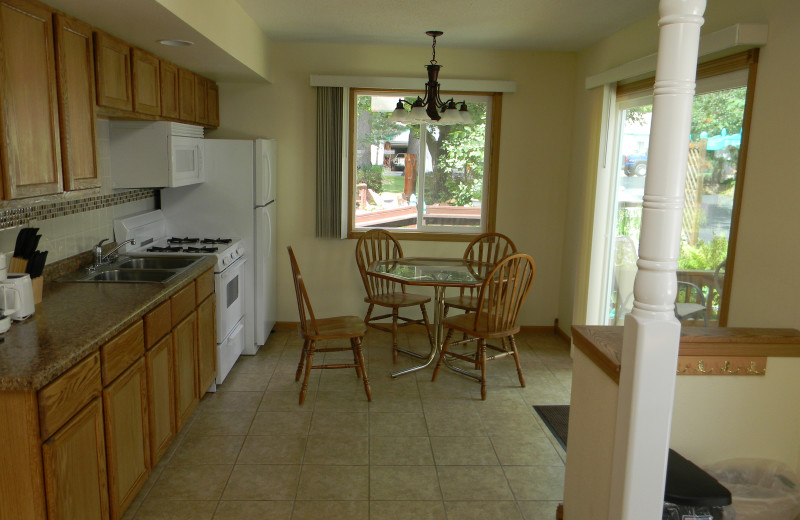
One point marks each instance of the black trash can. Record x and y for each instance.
(691, 493)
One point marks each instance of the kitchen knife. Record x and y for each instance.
(36, 264)
(32, 242)
(20, 242)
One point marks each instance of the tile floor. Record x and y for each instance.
(419, 450)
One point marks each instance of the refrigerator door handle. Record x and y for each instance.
(264, 205)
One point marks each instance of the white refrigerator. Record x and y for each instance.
(237, 199)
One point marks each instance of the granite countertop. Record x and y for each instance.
(74, 320)
(603, 344)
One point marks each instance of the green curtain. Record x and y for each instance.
(329, 161)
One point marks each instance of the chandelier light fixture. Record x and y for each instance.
(431, 109)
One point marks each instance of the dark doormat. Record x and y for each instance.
(556, 417)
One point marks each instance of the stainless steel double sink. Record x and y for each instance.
(136, 269)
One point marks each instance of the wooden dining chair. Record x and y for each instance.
(313, 329)
(488, 248)
(378, 244)
(500, 298)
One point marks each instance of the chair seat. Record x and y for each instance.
(398, 299)
(464, 301)
(466, 323)
(684, 310)
(338, 327)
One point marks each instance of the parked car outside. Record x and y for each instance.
(634, 164)
(399, 161)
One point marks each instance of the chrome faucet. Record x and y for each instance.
(99, 259)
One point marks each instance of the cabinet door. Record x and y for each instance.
(146, 83)
(186, 87)
(75, 73)
(31, 151)
(206, 345)
(169, 90)
(201, 99)
(213, 104)
(113, 72)
(75, 468)
(184, 342)
(160, 398)
(127, 436)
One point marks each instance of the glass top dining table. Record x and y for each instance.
(439, 273)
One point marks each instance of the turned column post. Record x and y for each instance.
(652, 333)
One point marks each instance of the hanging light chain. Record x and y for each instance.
(433, 47)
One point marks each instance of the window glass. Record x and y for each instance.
(711, 176)
(419, 177)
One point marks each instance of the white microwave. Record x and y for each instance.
(155, 154)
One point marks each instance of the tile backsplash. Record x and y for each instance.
(72, 223)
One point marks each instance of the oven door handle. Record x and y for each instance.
(230, 268)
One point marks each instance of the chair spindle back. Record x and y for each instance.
(303, 302)
(374, 245)
(504, 291)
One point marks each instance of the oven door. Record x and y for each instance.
(229, 287)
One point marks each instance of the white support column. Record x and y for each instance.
(652, 334)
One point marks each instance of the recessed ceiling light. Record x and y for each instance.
(176, 43)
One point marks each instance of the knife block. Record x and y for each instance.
(37, 284)
(17, 265)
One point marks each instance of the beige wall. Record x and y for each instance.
(534, 157)
(766, 281)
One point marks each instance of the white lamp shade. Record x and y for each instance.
(399, 115)
(450, 117)
(418, 115)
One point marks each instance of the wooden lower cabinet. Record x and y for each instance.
(127, 436)
(75, 468)
(184, 342)
(160, 398)
(206, 345)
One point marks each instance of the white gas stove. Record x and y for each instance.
(150, 230)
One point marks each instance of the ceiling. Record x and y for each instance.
(554, 25)
(549, 25)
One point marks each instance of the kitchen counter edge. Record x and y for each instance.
(76, 319)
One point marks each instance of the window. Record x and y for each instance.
(714, 177)
(422, 180)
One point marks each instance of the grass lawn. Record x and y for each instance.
(393, 183)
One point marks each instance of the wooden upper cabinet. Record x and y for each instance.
(213, 104)
(75, 74)
(31, 150)
(170, 99)
(113, 72)
(201, 99)
(146, 83)
(186, 95)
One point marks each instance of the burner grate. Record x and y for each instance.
(184, 240)
(200, 250)
(167, 249)
(217, 240)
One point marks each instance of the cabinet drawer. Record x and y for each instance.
(121, 352)
(157, 324)
(205, 285)
(182, 303)
(65, 396)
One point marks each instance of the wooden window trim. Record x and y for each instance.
(732, 63)
(489, 202)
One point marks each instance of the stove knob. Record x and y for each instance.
(226, 261)
(239, 251)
